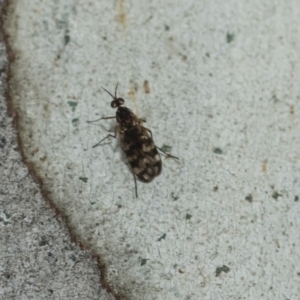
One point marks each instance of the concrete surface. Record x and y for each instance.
(223, 222)
(38, 260)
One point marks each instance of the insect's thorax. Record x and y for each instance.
(126, 119)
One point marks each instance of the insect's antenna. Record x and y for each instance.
(116, 90)
(109, 93)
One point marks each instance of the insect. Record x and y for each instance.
(136, 141)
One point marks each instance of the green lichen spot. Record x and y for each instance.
(75, 122)
(174, 196)
(67, 37)
(276, 195)
(188, 216)
(218, 150)
(73, 105)
(163, 237)
(249, 198)
(84, 179)
(224, 269)
(229, 37)
(143, 261)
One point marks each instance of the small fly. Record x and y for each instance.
(136, 142)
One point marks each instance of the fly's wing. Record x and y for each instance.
(141, 153)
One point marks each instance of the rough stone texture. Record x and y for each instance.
(223, 223)
(38, 260)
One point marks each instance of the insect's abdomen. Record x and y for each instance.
(142, 155)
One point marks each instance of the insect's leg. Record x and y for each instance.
(114, 136)
(143, 120)
(135, 185)
(167, 154)
(104, 118)
(149, 132)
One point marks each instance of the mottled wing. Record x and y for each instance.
(141, 153)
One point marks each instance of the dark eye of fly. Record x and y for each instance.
(117, 102)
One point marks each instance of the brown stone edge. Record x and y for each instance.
(30, 166)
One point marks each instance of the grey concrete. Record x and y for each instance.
(223, 222)
(38, 260)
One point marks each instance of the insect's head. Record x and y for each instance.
(117, 101)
